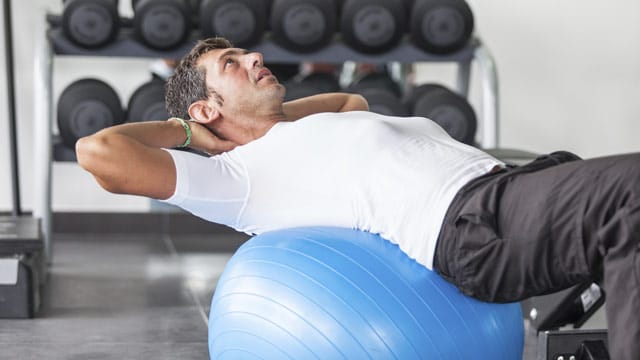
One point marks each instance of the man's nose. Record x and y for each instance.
(253, 60)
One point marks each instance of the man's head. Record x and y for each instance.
(187, 85)
(217, 80)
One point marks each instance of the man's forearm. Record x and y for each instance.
(156, 134)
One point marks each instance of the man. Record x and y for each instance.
(501, 234)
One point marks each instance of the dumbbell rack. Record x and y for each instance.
(51, 43)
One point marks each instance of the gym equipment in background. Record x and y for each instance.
(303, 26)
(311, 84)
(441, 26)
(283, 72)
(382, 93)
(22, 259)
(147, 102)
(335, 293)
(448, 109)
(372, 26)
(162, 24)
(383, 102)
(85, 107)
(575, 305)
(90, 23)
(572, 344)
(242, 22)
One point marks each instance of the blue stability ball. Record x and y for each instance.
(326, 293)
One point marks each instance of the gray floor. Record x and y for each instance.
(123, 297)
(133, 296)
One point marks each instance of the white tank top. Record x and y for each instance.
(393, 176)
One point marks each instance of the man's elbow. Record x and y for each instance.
(355, 102)
(361, 103)
(87, 150)
(91, 152)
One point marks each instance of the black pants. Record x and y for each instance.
(546, 226)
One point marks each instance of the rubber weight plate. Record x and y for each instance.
(419, 91)
(376, 81)
(162, 24)
(303, 25)
(449, 110)
(297, 90)
(147, 103)
(85, 107)
(383, 101)
(240, 21)
(90, 23)
(441, 26)
(312, 84)
(372, 26)
(323, 82)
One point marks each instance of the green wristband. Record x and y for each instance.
(187, 130)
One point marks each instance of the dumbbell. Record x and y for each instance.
(90, 23)
(303, 25)
(441, 26)
(448, 109)
(312, 84)
(382, 93)
(162, 24)
(86, 106)
(147, 102)
(241, 21)
(372, 26)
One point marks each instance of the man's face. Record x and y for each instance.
(242, 81)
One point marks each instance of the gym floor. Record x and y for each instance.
(143, 294)
(138, 295)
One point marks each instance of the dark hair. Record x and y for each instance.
(187, 84)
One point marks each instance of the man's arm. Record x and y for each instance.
(128, 159)
(329, 102)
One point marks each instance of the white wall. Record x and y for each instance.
(569, 70)
(569, 79)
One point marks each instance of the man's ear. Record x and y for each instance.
(202, 112)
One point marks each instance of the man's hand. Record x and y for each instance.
(205, 140)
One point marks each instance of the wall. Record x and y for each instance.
(569, 79)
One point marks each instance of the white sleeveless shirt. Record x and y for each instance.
(392, 176)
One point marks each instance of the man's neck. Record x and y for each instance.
(243, 131)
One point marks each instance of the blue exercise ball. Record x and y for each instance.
(328, 293)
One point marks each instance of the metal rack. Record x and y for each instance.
(52, 43)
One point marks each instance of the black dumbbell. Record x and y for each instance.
(448, 109)
(303, 25)
(312, 84)
(147, 102)
(162, 24)
(241, 21)
(86, 106)
(379, 80)
(372, 26)
(90, 23)
(383, 102)
(382, 93)
(441, 26)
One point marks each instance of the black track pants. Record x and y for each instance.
(546, 226)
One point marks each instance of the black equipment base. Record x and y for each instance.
(22, 267)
